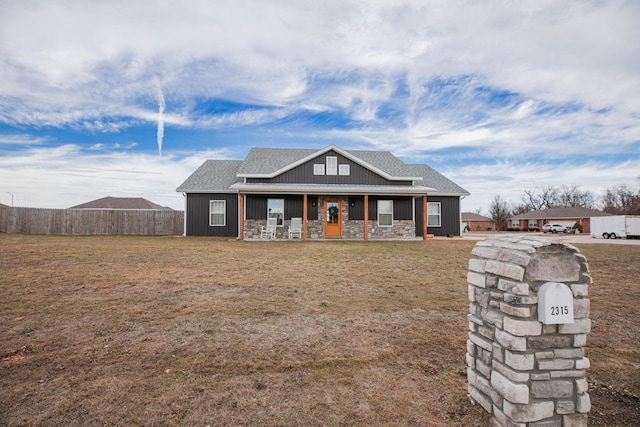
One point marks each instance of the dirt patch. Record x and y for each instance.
(199, 331)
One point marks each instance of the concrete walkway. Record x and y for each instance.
(568, 238)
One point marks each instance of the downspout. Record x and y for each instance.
(366, 217)
(304, 216)
(241, 216)
(184, 220)
(460, 214)
(424, 217)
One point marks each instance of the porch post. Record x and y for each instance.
(304, 216)
(424, 217)
(241, 215)
(366, 217)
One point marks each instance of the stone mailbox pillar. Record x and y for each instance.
(526, 367)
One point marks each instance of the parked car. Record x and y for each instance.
(553, 228)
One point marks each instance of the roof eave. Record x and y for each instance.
(201, 191)
(449, 194)
(327, 189)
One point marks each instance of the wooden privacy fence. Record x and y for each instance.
(90, 221)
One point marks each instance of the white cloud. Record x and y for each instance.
(66, 176)
(560, 79)
(263, 50)
(510, 179)
(22, 139)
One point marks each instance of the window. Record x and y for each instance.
(217, 213)
(533, 223)
(275, 209)
(434, 214)
(515, 223)
(385, 213)
(318, 169)
(344, 170)
(332, 165)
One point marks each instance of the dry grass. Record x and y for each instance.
(199, 331)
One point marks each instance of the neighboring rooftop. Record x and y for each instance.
(120, 203)
(470, 216)
(560, 213)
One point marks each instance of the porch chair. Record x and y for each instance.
(269, 232)
(295, 229)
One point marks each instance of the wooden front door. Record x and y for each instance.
(333, 218)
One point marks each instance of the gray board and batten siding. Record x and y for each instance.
(197, 217)
(449, 223)
(256, 208)
(304, 174)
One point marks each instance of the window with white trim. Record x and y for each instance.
(332, 165)
(344, 169)
(515, 223)
(275, 209)
(434, 214)
(217, 213)
(533, 223)
(385, 213)
(318, 169)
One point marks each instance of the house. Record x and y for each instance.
(564, 216)
(338, 194)
(475, 222)
(128, 203)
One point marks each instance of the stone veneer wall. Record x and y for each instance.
(523, 372)
(401, 229)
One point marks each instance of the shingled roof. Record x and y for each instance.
(224, 175)
(213, 175)
(119, 203)
(560, 213)
(432, 178)
(471, 216)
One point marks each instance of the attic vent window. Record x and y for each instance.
(332, 165)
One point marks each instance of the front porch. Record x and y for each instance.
(315, 222)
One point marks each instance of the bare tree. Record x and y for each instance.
(572, 196)
(535, 200)
(621, 200)
(557, 197)
(479, 211)
(520, 209)
(500, 212)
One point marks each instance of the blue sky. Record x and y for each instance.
(127, 98)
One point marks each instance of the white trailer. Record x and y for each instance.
(616, 226)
